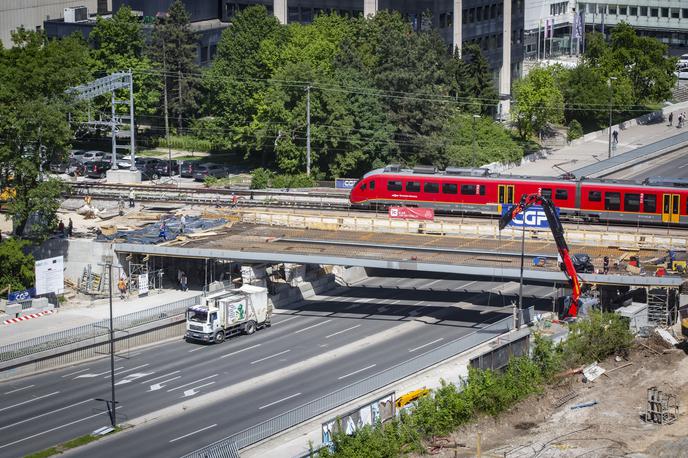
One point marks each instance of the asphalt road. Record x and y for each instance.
(674, 165)
(47, 409)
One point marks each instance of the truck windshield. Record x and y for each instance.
(198, 316)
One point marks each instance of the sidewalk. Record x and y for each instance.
(594, 146)
(71, 317)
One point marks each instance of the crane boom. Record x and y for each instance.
(557, 229)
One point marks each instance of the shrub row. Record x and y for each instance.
(263, 178)
(486, 391)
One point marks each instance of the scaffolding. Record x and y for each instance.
(658, 307)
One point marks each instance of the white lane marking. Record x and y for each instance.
(468, 284)
(132, 377)
(192, 383)
(128, 370)
(277, 402)
(192, 433)
(284, 321)
(682, 166)
(30, 400)
(238, 351)
(96, 375)
(74, 373)
(54, 429)
(159, 385)
(343, 331)
(158, 377)
(271, 356)
(198, 348)
(20, 389)
(312, 326)
(425, 345)
(44, 414)
(432, 283)
(356, 372)
(382, 309)
(195, 389)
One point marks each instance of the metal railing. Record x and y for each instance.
(92, 330)
(351, 392)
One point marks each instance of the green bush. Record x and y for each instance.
(546, 356)
(594, 338)
(260, 178)
(210, 181)
(186, 143)
(575, 130)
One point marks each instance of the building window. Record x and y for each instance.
(464, 17)
(674, 13)
(307, 15)
(443, 20)
(471, 15)
(493, 11)
(665, 12)
(643, 10)
(478, 14)
(293, 14)
(612, 10)
(633, 10)
(685, 13)
(654, 12)
(623, 10)
(602, 8)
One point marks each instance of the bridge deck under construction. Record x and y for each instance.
(467, 256)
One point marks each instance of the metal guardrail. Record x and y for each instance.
(351, 392)
(643, 152)
(92, 330)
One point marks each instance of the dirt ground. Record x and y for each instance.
(538, 427)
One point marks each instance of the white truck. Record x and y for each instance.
(243, 310)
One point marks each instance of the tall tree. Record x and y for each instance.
(173, 48)
(34, 75)
(538, 102)
(118, 45)
(470, 80)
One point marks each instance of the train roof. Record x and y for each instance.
(455, 172)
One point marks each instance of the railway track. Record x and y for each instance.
(335, 201)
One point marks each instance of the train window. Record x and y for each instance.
(481, 189)
(468, 189)
(594, 196)
(431, 187)
(612, 201)
(413, 186)
(650, 203)
(450, 188)
(363, 187)
(631, 202)
(394, 186)
(372, 185)
(561, 194)
(546, 192)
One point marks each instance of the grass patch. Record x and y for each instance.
(149, 153)
(70, 444)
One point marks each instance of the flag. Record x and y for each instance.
(580, 24)
(602, 21)
(574, 28)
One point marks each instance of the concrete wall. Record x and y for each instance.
(31, 13)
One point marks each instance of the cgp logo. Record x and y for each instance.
(345, 183)
(534, 217)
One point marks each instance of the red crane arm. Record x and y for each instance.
(558, 232)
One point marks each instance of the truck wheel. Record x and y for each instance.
(219, 337)
(250, 327)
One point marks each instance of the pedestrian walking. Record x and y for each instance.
(183, 282)
(61, 228)
(605, 265)
(679, 124)
(615, 135)
(235, 199)
(132, 198)
(182, 224)
(671, 119)
(120, 205)
(70, 228)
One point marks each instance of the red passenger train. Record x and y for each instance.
(656, 200)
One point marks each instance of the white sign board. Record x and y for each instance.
(143, 284)
(50, 275)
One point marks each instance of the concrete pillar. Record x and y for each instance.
(505, 72)
(279, 9)
(369, 7)
(457, 36)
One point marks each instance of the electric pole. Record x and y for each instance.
(308, 130)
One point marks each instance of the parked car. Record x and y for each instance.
(92, 156)
(146, 166)
(582, 263)
(97, 169)
(209, 170)
(163, 168)
(187, 168)
(75, 168)
(77, 154)
(123, 162)
(59, 166)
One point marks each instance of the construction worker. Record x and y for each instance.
(132, 197)
(70, 228)
(605, 265)
(122, 287)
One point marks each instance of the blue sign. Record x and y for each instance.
(345, 183)
(534, 217)
(24, 295)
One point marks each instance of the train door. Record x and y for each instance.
(505, 193)
(670, 208)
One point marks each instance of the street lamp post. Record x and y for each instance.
(474, 152)
(611, 101)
